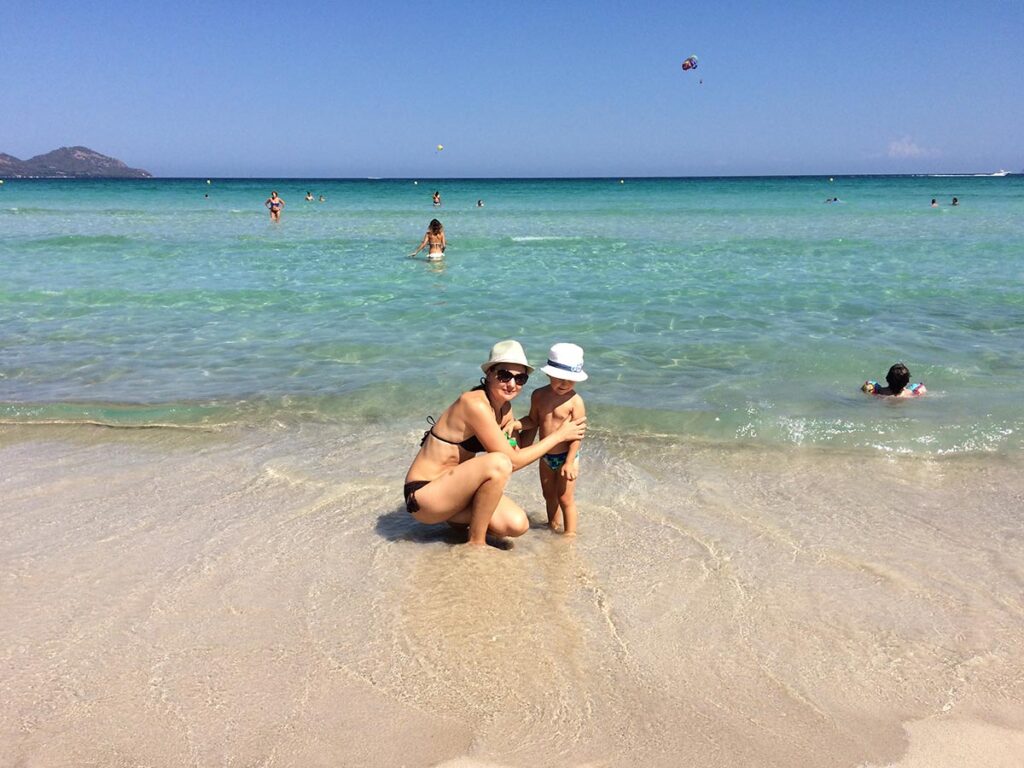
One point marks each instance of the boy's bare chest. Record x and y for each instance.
(561, 411)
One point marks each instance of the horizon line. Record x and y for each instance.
(988, 174)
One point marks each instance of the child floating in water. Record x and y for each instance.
(550, 406)
(898, 379)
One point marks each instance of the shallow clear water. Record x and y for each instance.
(261, 597)
(728, 309)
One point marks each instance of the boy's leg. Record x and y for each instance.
(549, 486)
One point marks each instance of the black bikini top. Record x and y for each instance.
(471, 444)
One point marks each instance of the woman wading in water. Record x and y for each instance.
(434, 240)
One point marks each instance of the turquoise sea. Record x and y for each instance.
(732, 309)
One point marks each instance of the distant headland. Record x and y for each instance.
(68, 163)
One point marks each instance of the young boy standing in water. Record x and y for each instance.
(549, 407)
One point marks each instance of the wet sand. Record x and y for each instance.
(173, 597)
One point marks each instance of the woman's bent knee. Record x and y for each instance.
(520, 525)
(499, 466)
(512, 525)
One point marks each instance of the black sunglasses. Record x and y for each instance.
(506, 376)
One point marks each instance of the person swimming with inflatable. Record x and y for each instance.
(898, 380)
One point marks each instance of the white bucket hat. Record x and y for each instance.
(509, 351)
(565, 361)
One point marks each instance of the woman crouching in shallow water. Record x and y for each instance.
(449, 482)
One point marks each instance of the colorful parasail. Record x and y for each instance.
(689, 63)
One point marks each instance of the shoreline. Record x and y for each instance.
(904, 428)
(22, 430)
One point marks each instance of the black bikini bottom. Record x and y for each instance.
(409, 491)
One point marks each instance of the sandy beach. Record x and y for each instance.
(186, 597)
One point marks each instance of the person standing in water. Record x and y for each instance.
(550, 406)
(274, 205)
(434, 241)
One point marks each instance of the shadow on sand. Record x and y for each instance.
(399, 525)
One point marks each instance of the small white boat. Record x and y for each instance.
(1000, 172)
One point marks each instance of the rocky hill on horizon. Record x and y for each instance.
(68, 163)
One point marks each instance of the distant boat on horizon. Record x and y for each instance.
(1000, 172)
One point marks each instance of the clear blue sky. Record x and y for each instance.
(567, 88)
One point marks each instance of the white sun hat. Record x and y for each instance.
(565, 361)
(509, 351)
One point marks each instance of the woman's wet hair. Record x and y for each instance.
(897, 378)
(435, 227)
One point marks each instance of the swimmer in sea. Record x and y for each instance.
(898, 380)
(274, 205)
